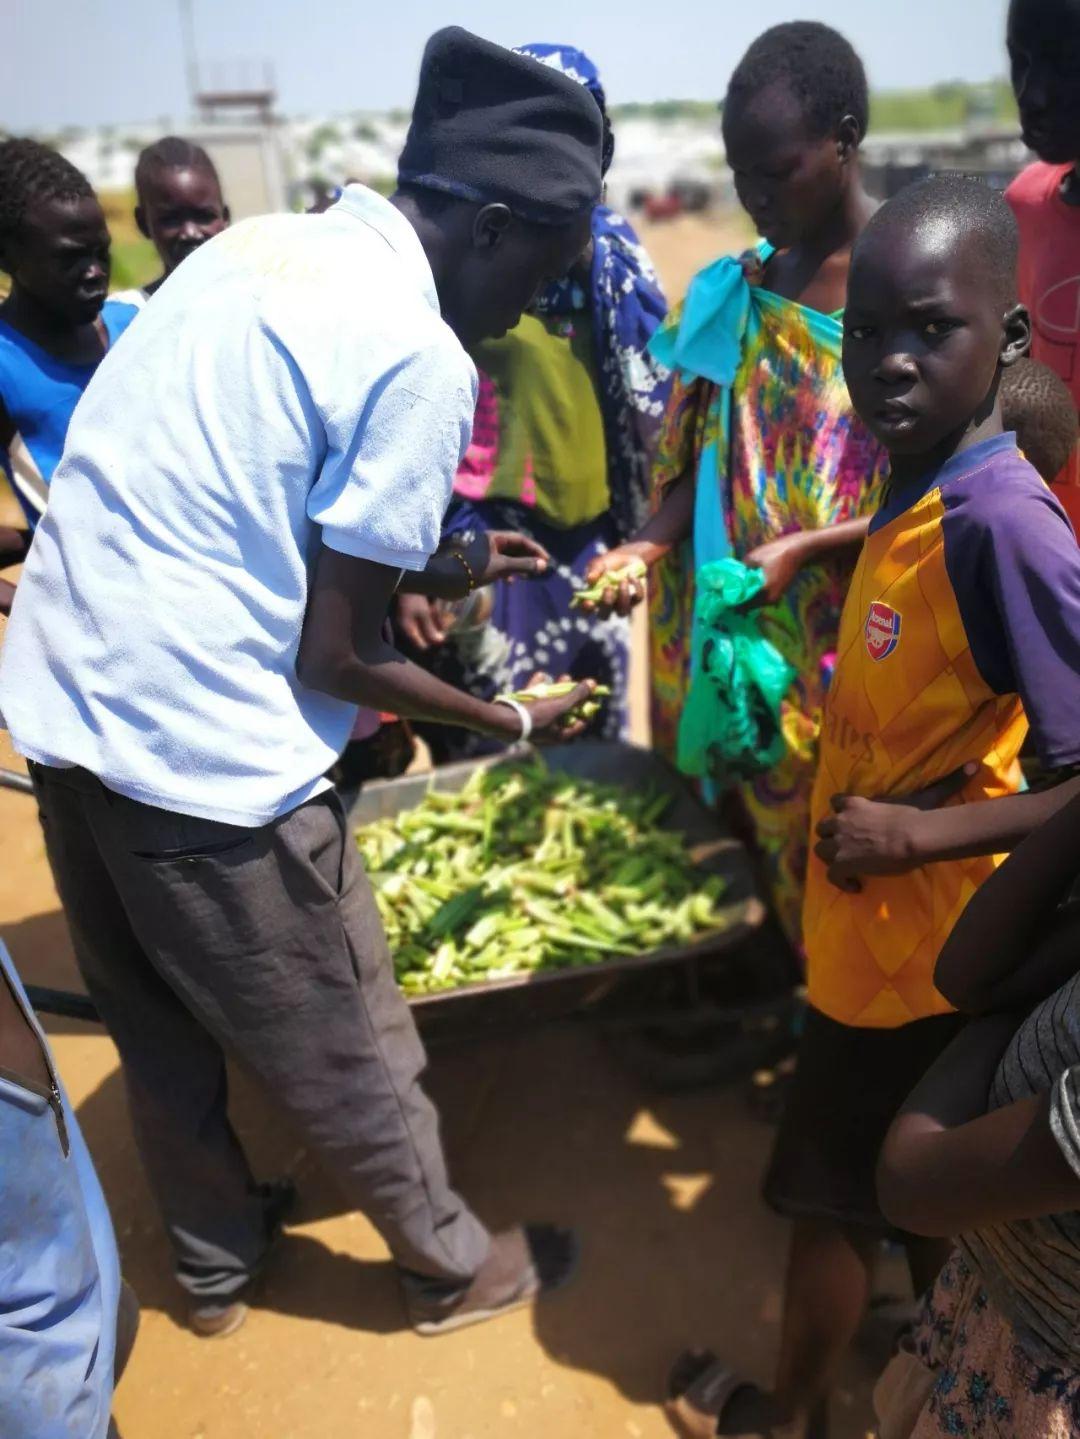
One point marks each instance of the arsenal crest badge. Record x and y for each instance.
(882, 630)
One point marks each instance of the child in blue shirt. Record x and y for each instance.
(56, 325)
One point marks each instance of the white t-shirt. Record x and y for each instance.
(137, 299)
(292, 383)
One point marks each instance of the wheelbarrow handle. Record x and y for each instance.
(63, 1003)
(12, 779)
(60, 1002)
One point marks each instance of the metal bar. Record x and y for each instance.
(12, 779)
(63, 1003)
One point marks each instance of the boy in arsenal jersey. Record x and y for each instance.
(961, 627)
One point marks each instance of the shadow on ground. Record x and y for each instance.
(542, 1124)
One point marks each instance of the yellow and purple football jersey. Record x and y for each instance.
(962, 624)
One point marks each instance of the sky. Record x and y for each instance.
(92, 62)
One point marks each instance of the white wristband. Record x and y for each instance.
(522, 713)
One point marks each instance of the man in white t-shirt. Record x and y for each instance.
(246, 482)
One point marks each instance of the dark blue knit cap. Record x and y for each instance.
(491, 125)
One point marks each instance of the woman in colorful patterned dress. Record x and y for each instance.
(761, 456)
(569, 408)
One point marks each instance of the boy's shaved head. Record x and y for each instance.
(171, 153)
(180, 201)
(958, 209)
(931, 319)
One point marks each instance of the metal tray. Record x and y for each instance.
(608, 762)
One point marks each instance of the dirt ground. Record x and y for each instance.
(545, 1123)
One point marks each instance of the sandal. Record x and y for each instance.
(700, 1387)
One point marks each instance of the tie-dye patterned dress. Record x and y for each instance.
(785, 452)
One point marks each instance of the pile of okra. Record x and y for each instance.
(526, 869)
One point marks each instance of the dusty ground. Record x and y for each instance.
(544, 1123)
(680, 247)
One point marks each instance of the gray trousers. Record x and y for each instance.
(197, 939)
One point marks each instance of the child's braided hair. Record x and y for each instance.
(30, 171)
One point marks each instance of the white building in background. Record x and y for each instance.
(250, 163)
(250, 159)
(273, 165)
(658, 156)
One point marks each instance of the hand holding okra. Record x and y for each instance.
(614, 582)
(583, 709)
(560, 709)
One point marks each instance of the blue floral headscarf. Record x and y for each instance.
(627, 305)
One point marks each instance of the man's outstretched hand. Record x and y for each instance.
(503, 555)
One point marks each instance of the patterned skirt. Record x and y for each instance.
(963, 1372)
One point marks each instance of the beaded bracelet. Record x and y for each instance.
(469, 574)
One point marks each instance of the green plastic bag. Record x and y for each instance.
(730, 725)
